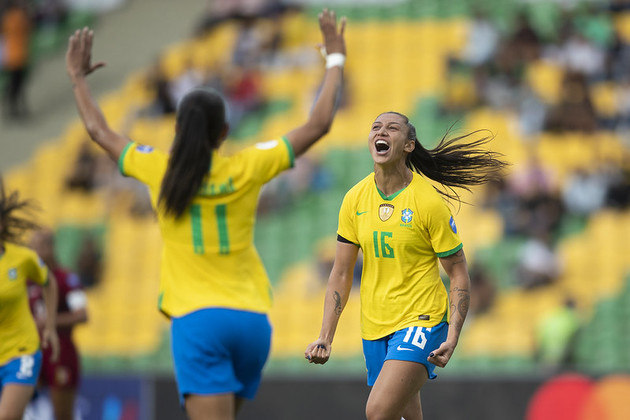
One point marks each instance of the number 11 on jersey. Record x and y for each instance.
(220, 212)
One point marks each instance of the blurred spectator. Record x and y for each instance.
(243, 93)
(618, 194)
(584, 192)
(221, 10)
(89, 262)
(15, 28)
(538, 264)
(556, 335)
(580, 55)
(84, 170)
(50, 14)
(575, 110)
(188, 80)
(524, 43)
(483, 39)
(163, 102)
(483, 290)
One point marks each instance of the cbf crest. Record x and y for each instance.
(385, 211)
(407, 216)
(13, 274)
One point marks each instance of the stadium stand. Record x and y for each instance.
(405, 67)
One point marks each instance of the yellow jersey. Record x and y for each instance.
(18, 333)
(208, 255)
(401, 237)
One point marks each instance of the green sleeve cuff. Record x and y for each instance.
(121, 158)
(451, 252)
(291, 152)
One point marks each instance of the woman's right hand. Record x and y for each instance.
(333, 39)
(318, 352)
(79, 54)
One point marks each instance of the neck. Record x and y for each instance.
(392, 178)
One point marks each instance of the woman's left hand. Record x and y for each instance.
(442, 355)
(50, 339)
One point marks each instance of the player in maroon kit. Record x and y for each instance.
(62, 376)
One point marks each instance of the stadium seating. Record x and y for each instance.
(401, 66)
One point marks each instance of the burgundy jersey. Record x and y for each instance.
(70, 297)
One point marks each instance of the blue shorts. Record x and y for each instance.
(220, 351)
(22, 370)
(412, 344)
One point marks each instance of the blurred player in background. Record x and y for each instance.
(60, 376)
(404, 227)
(20, 355)
(213, 285)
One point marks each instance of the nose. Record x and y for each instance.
(382, 131)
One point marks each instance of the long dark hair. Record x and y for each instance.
(13, 226)
(200, 123)
(455, 162)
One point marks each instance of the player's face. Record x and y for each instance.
(388, 140)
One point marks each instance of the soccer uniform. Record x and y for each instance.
(20, 357)
(404, 304)
(209, 263)
(65, 372)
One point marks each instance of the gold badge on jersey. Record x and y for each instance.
(385, 211)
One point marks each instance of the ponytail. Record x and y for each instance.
(12, 227)
(200, 124)
(455, 162)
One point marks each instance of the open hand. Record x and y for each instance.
(79, 54)
(333, 38)
(318, 352)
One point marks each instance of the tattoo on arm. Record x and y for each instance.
(460, 302)
(337, 299)
(457, 258)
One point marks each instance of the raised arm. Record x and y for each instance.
(324, 109)
(457, 270)
(337, 292)
(79, 66)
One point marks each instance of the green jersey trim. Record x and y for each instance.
(451, 252)
(121, 158)
(291, 152)
(388, 197)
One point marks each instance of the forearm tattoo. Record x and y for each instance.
(460, 302)
(337, 299)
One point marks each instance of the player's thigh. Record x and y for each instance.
(210, 407)
(63, 402)
(398, 382)
(14, 399)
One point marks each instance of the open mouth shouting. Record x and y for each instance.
(381, 146)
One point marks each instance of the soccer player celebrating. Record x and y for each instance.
(62, 375)
(213, 285)
(404, 227)
(20, 356)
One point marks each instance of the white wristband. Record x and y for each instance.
(335, 59)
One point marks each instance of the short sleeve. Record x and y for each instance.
(35, 269)
(266, 160)
(143, 163)
(347, 220)
(442, 229)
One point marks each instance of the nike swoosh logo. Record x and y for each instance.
(363, 212)
(403, 348)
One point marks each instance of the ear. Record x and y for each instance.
(410, 146)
